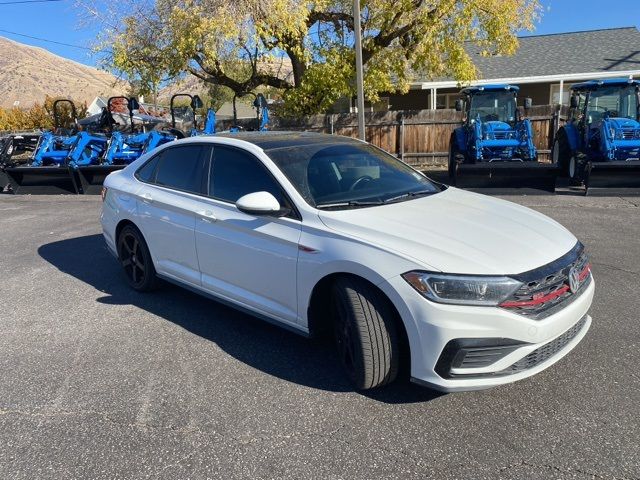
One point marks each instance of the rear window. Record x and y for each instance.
(180, 168)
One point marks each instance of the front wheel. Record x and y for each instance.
(135, 259)
(365, 333)
(576, 170)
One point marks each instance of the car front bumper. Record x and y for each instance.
(533, 345)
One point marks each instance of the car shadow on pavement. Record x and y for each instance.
(265, 347)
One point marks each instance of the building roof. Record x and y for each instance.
(616, 49)
(572, 55)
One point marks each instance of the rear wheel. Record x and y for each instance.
(365, 333)
(136, 260)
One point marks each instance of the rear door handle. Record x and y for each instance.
(147, 198)
(207, 216)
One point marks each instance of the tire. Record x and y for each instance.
(561, 152)
(135, 260)
(576, 170)
(455, 158)
(365, 332)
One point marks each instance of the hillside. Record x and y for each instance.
(28, 74)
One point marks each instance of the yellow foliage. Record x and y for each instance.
(402, 39)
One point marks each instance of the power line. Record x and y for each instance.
(45, 39)
(15, 2)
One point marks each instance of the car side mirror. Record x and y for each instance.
(459, 105)
(261, 204)
(528, 103)
(196, 102)
(574, 102)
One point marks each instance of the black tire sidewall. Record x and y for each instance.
(150, 279)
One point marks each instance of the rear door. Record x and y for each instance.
(247, 259)
(166, 202)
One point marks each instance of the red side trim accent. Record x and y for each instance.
(550, 296)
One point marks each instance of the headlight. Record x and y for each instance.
(612, 132)
(463, 289)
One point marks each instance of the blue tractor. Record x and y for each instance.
(494, 146)
(195, 103)
(599, 146)
(55, 157)
(262, 113)
(121, 149)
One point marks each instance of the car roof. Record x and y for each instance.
(285, 139)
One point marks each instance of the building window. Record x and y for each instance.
(555, 93)
(446, 100)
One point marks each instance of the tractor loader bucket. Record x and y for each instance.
(612, 178)
(92, 177)
(507, 177)
(42, 180)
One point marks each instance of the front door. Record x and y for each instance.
(247, 259)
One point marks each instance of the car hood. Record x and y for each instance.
(456, 231)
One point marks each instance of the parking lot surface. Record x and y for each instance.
(101, 382)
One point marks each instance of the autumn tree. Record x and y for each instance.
(305, 48)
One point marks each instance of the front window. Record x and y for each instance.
(493, 106)
(348, 175)
(614, 102)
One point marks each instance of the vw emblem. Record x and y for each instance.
(574, 280)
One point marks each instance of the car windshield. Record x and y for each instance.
(616, 101)
(349, 175)
(493, 106)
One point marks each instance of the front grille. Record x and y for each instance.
(546, 351)
(546, 290)
(630, 133)
(502, 135)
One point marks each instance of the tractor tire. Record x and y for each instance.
(455, 158)
(576, 170)
(561, 152)
(365, 332)
(136, 261)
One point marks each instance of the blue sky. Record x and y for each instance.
(58, 21)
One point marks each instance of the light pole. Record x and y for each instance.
(359, 75)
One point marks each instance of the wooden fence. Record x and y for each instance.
(420, 137)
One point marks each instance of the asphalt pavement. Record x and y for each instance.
(98, 381)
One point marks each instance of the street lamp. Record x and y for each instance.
(359, 75)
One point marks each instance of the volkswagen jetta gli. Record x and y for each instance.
(325, 233)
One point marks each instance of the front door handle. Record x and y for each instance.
(207, 216)
(147, 198)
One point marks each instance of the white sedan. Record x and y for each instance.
(324, 233)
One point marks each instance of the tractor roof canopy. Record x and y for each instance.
(609, 82)
(495, 87)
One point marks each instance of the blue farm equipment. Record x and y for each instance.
(16, 149)
(599, 146)
(262, 113)
(195, 103)
(120, 150)
(494, 146)
(54, 157)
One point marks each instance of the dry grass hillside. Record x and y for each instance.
(28, 74)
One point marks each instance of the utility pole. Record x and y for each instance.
(359, 75)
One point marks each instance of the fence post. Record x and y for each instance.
(331, 131)
(401, 140)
